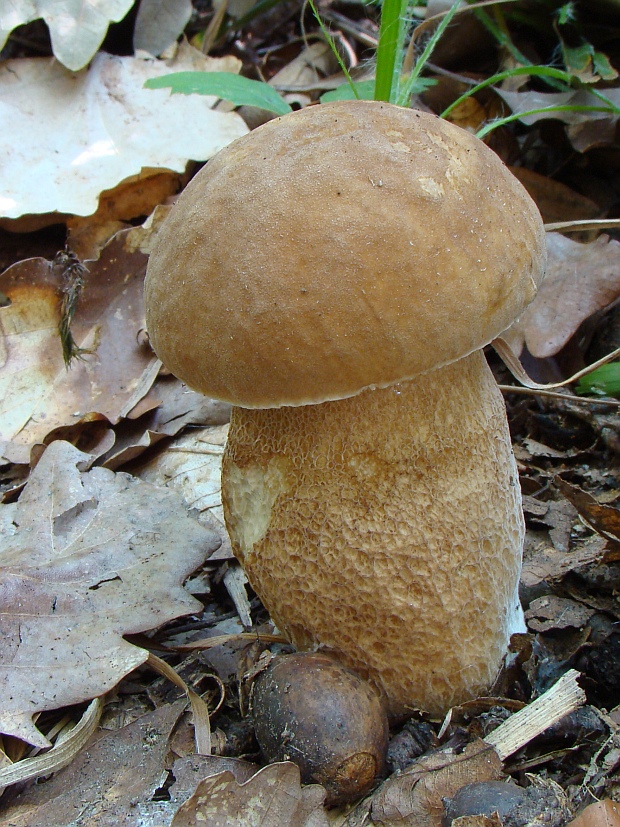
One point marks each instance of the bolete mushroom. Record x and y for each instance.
(334, 275)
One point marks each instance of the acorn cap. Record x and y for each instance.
(349, 245)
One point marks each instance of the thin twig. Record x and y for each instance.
(578, 226)
(567, 397)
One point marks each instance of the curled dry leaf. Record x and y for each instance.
(415, 797)
(580, 279)
(100, 127)
(37, 392)
(273, 797)
(604, 519)
(85, 557)
(134, 197)
(169, 407)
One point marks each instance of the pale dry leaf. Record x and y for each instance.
(74, 135)
(85, 557)
(159, 23)
(192, 466)
(71, 738)
(111, 782)
(77, 27)
(37, 392)
(310, 66)
(580, 279)
(169, 407)
(273, 797)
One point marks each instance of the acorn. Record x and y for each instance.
(309, 709)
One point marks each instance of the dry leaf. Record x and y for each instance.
(110, 783)
(414, 798)
(600, 814)
(166, 410)
(530, 448)
(159, 23)
(580, 279)
(549, 564)
(86, 557)
(114, 779)
(192, 467)
(73, 136)
(189, 771)
(605, 519)
(555, 200)
(560, 516)
(37, 392)
(271, 798)
(299, 77)
(77, 29)
(526, 101)
(552, 612)
(134, 197)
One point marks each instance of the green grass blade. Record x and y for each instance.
(604, 381)
(404, 95)
(482, 133)
(332, 46)
(388, 49)
(502, 38)
(226, 85)
(537, 71)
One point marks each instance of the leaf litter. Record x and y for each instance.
(113, 372)
(87, 556)
(100, 127)
(77, 29)
(581, 279)
(570, 574)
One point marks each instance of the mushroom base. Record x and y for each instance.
(387, 529)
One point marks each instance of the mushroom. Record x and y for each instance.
(334, 275)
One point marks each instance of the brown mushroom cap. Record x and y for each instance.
(348, 245)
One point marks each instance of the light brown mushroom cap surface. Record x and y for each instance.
(345, 246)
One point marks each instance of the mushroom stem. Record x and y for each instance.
(413, 487)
